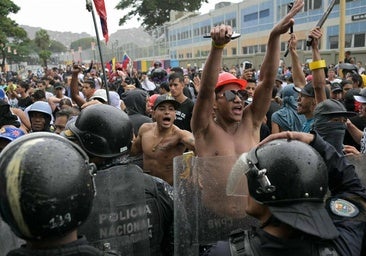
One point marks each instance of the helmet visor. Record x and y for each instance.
(237, 183)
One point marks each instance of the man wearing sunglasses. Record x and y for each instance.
(221, 123)
(223, 126)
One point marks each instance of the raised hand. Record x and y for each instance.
(285, 24)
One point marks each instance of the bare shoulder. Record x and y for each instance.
(146, 127)
(181, 132)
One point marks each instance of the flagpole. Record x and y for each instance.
(89, 7)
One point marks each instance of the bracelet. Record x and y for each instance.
(318, 64)
(218, 46)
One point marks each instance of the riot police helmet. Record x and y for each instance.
(103, 130)
(291, 178)
(46, 186)
(42, 107)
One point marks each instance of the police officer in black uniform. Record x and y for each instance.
(132, 212)
(43, 198)
(288, 181)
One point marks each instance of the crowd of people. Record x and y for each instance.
(89, 164)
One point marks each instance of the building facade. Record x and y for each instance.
(255, 18)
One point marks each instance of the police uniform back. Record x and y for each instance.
(43, 198)
(132, 212)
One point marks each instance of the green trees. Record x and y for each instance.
(43, 42)
(154, 13)
(12, 37)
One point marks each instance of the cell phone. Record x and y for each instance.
(248, 65)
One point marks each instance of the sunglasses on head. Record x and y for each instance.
(231, 94)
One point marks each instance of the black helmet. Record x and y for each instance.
(291, 178)
(294, 170)
(157, 64)
(103, 130)
(46, 186)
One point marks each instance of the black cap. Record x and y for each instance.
(58, 85)
(308, 90)
(336, 87)
(332, 107)
(166, 98)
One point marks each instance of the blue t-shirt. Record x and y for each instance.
(308, 125)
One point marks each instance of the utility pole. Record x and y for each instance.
(342, 29)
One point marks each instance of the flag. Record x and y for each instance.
(100, 6)
(125, 60)
(114, 64)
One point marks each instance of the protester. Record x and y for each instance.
(287, 118)
(62, 118)
(185, 108)
(88, 87)
(223, 126)
(161, 141)
(330, 122)
(136, 102)
(220, 123)
(356, 125)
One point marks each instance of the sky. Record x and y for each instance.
(72, 16)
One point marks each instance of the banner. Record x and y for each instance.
(100, 7)
(114, 64)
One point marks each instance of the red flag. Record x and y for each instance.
(100, 6)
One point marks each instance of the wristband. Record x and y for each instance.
(218, 46)
(318, 64)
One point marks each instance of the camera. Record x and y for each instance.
(248, 65)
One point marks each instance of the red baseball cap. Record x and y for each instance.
(226, 78)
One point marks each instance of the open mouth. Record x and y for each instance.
(237, 109)
(167, 120)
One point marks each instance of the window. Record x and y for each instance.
(262, 48)
(233, 51)
(252, 16)
(312, 5)
(348, 41)
(264, 13)
(359, 40)
(333, 42)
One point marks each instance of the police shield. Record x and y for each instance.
(119, 221)
(8, 240)
(204, 213)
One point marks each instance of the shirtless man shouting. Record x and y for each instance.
(161, 141)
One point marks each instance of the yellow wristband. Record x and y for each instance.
(317, 64)
(218, 46)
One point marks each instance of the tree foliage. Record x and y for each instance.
(154, 13)
(43, 42)
(84, 43)
(57, 46)
(11, 35)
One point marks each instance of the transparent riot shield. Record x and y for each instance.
(120, 218)
(359, 161)
(8, 240)
(203, 212)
